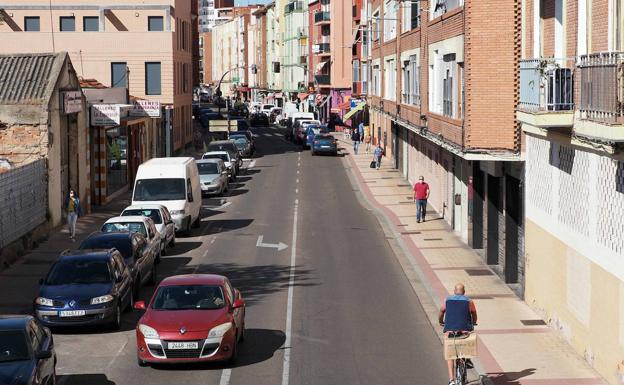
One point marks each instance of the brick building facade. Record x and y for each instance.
(442, 89)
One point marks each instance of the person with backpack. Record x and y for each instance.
(355, 137)
(378, 153)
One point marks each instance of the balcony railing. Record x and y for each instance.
(602, 87)
(322, 79)
(545, 86)
(321, 48)
(321, 17)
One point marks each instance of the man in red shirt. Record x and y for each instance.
(421, 194)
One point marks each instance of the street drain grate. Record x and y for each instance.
(404, 185)
(410, 232)
(477, 296)
(358, 228)
(433, 239)
(533, 322)
(406, 203)
(478, 272)
(387, 177)
(370, 181)
(402, 225)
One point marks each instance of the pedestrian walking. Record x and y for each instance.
(367, 141)
(361, 130)
(421, 194)
(378, 153)
(355, 137)
(74, 210)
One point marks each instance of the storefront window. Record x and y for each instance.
(116, 159)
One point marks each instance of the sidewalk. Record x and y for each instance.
(515, 345)
(20, 281)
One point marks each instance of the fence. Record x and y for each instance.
(23, 200)
(544, 86)
(602, 86)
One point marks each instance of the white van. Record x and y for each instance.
(173, 183)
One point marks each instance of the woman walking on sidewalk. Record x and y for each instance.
(367, 140)
(355, 137)
(74, 210)
(378, 153)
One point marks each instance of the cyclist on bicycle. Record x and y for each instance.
(458, 314)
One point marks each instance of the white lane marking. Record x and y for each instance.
(297, 171)
(225, 376)
(289, 306)
(297, 180)
(252, 164)
(278, 134)
(267, 134)
(298, 164)
(279, 246)
(296, 191)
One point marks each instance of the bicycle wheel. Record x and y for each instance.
(460, 372)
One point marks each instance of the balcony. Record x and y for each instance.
(322, 80)
(294, 6)
(546, 94)
(321, 18)
(321, 49)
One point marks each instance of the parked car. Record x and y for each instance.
(325, 144)
(247, 134)
(259, 119)
(266, 109)
(27, 352)
(213, 176)
(229, 146)
(310, 133)
(85, 287)
(173, 183)
(133, 248)
(162, 221)
(191, 318)
(244, 147)
(136, 224)
(301, 130)
(227, 160)
(239, 110)
(274, 113)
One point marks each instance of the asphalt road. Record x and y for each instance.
(340, 294)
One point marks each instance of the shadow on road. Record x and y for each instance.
(83, 379)
(223, 225)
(183, 247)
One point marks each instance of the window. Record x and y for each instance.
(411, 81)
(356, 71)
(31, 24)
(185, 78)
(119, 75)
(91, 24)
(376, 80)
(390, 79)
(67, 23)
(390, 19)
(155, 23)
(410, 16)
(152, 79)
(365, 42)
(364, 78)
(440, 7)
(375, 26)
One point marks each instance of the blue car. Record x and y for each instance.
(311, 131)
(85, 287)
(27, 352)
(324, 144)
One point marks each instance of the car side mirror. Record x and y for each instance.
(139, 305)
(43, 354)
(238, 304)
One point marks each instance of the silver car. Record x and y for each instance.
(162, 220)
(213, 176)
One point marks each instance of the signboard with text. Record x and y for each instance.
(105, 114)
(148, 108)
(72, 101)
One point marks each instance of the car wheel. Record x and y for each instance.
(152, 280)
(141, 363)
(197, 222)
(234, 356)
(116, 325)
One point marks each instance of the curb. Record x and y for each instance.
(414, 274)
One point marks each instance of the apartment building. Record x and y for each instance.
(571, 110)
(358, 112)
(443, 89)
(209, 13)
(140, 45)
(295, 40)
(331, 68)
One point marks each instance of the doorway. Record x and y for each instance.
(493, 210)
(513, 210)
(475, 208)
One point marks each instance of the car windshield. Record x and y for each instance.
(133, 227)
(150, 213)
(314, 130)
(13, 346)
(75, 272)
(223, 157)
(123, 245)
(207, 168)
(189, 297)
(164, 189)
(221, 147)
(240, 141)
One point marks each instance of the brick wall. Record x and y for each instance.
(528, 29)
(491, 79)
(23, 144)
(548, 27)
(599, 25)
(571, 20)
(446, 26)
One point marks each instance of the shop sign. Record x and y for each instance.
(105, 114)
(148, 108)
(355, 102)
(72, 101)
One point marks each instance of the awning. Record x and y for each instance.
(302, 96)
(319, 66)
(354, 110)
(270, 96)
(335, 110)
(243, 89)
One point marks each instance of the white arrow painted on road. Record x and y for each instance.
(279, 246)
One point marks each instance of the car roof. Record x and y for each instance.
(215, 153)
(193, 279)
(145, 206)
(169, 161)
(112, 235)
(220, 142)
(14, 321)
(88, 254)
(199, 161)
(129, 218)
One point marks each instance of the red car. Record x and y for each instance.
(191, 318)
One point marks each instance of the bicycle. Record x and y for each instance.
(460, 364)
